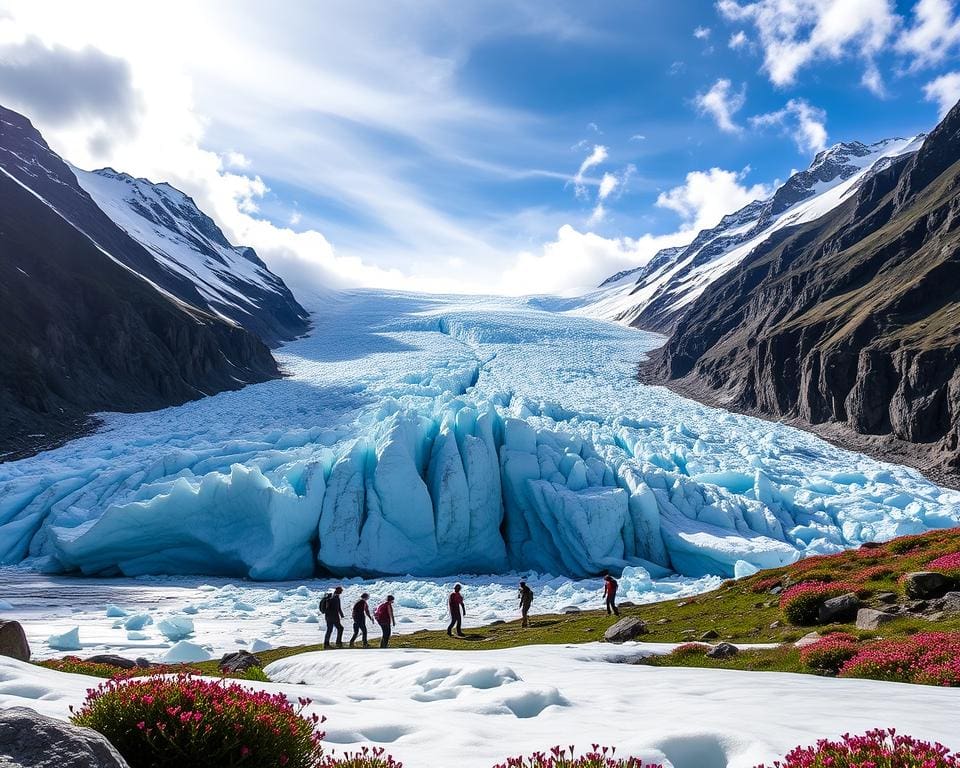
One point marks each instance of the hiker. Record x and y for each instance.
(610, 594)
(361, 612)
(384, 617)
(526, 598)
(332, 613)
(457, 611)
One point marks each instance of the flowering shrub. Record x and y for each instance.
(691, 649)
(948, 565)
(175, 722)
(367, 757)
(598, 757)
(874, 749)
(873, 573)
(929, 658)
(765, 585)
(801, 603)
(829, 653)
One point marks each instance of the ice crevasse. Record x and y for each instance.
(459, 474)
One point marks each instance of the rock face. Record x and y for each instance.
(842, 608)
(868, 618)
(84, 326)
(628, 628)
(239, 661)
(850, 318)
(13, 641)
(924, 584)
(30, 740)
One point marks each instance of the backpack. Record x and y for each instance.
(358, 611)
(382, 614)
(325, 602)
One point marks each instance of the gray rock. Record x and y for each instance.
(924, 584)
(808, 639)
(776, 590)
(722, 651)
(628, 628)
(143, 663)
(663, 621)
(950, 602)
(626, 604)
(886, 597)
(497, 622)
(113, 660)
(868, 618)
(239, 661)
(570, 609)
(842, 608)
(13, 641)
(775, 625)
(710, 634)
(32, 740)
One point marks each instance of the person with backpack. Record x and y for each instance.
(526, 599)
(610, 594)
(458, 610)
(332, 613)
(361, 612)
(384, 617)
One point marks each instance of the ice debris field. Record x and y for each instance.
(427, 437)
(476, 708)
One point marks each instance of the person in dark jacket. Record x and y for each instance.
(457, 611)
(526, 599)
(361, 612)
(332, 613)
(610, 594)
(384, 617)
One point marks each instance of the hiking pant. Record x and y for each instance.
(456, 620)
(385, 637)
(333, 622)
(612, 605)
(359, 628)
(524, 611)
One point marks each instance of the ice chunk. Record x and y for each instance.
(185, 652)
(176, 627)
(139, 621)
(259, 645)
(136, 636)
(114, 611)
(742, 569)
(66, 641)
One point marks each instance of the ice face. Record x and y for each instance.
(431, 436)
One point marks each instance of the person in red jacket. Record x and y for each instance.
(610, 594)
(457, 611)
(384, 617)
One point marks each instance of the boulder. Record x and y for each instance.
(570, 609)
(868, 618)
(886, 597)
(950, 603)
(775, 625)
(722, 651)
(710, 634)
(628, 628)
(113, 660)
(808, 639)
(32, 740)
(239, 661)
(143, 663)
(842, 608)
(13, 641)
(924, 584)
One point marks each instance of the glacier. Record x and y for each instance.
(429, 436)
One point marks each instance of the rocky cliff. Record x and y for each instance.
(850, 319)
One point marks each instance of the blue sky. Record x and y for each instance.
(496, 147)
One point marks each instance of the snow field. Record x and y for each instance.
(475, 708)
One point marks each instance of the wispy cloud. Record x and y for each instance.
(944, 91)
(701, 33)
(933, 34)
(721, 102)
(805, 123)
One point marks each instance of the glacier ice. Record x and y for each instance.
(430, 436)
(66, 641)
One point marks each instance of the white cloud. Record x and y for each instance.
(804, 122)
(232, 159)
(597, 216)
(935, 31)
(738, 40)
(872, 80)
(945, 91)
(638, 137)
(707, 196)
(576, 262)
(597, 155)
(608, 183)
(796, 33)
(701, 33)
(721, 103)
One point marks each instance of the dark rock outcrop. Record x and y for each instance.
(841, 608)
(851, 319)
(924, 584)
(31, 740)
(239, 661)
(629, 628)
(13, 641)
